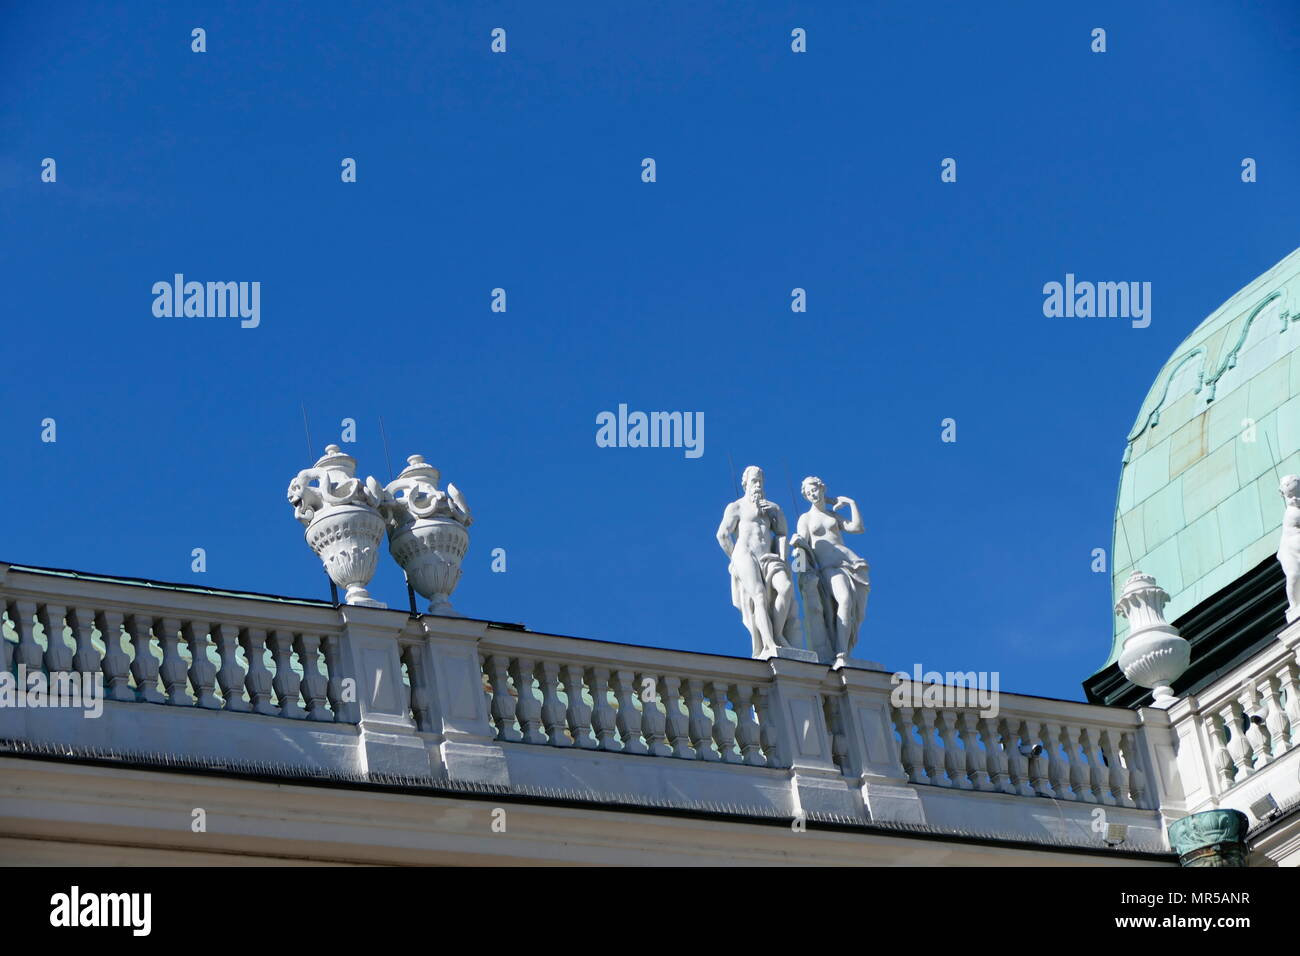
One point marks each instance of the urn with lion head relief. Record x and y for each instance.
(344, 526)
(427, 532)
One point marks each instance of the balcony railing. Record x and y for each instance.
(572, 693)
(219, 675)
(1033, 747)
(1241, 726)
(150, 648)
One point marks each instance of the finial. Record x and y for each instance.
(1154, 653)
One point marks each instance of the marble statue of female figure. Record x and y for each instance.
(832, 580)
(1288, 549)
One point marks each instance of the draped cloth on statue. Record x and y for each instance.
(769, 566)
(817, 591)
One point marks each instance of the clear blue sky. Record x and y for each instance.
(522, 170)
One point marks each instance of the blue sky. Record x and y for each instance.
(522, 170)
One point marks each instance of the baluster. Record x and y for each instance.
(1058, 770)
(314, 686)
(1275, 722)
(1031, 736)
(1286, 677)
(58, 656)
(676, 725)
(421, 700)
(629, 718)
(144, 668)
(1118, 772)
(87, 659)
(345, 711)
(1137, 780)
(285, 682)
(1238, 744)
(1098, 771)
(578, 712)
(203, 676)
(699, 725)
(6, 652)
(912, 756)
(1037, 761)
(1017, 765)
(1249, 700)
(527, 708)
(653, 722)
(28, 653)
(724, 734)
(175, 675)
(603, 717)
(767, 734)
(954, 758)
(976, 759)
(553, 712)
(258, 680)
(503, 702)
(1219, 735)
(230, 675)
(832, 709)
(930, 752)
(999, 768)
(747, 733)
(405, 686)
(116, 665)
(1079, 781)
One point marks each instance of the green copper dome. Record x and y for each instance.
(1198, 502)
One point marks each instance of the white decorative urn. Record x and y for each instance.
(1154, 653)
(344, 526)
(427, 532)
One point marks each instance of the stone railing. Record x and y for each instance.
(149, 646)
(1238, 729)
(220, 677)
(1032, 747)
(569, 693)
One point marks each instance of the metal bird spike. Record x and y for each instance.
(306, 430)
(384, 435)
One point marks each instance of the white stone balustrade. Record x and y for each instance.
(1235, 740)
(1031, 747)
(641, 708)
(176, 661)
(219, 676)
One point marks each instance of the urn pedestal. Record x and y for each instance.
(347, 538)
(430, 551)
